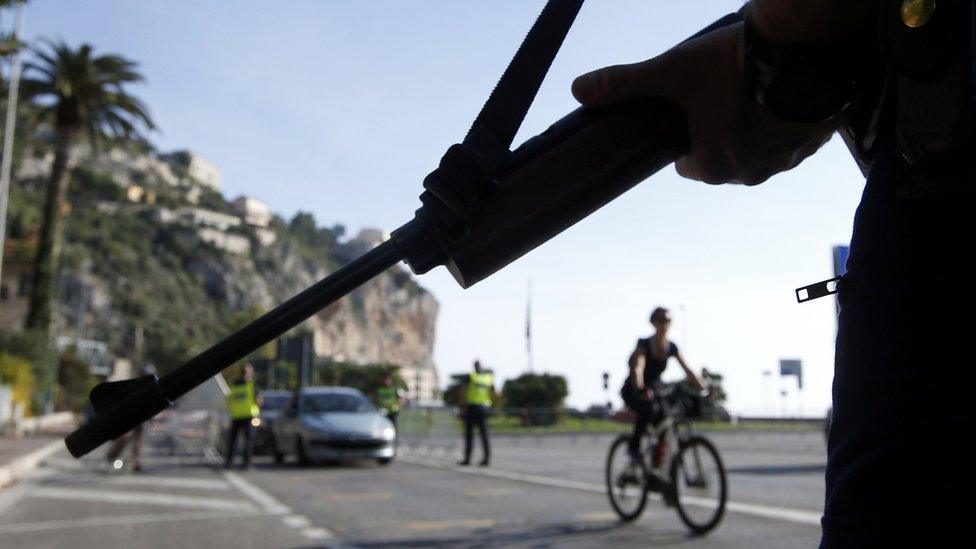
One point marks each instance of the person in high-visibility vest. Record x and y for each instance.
(477, 398)
(389, 396)
(243, 407)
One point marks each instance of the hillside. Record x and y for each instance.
(160, 263)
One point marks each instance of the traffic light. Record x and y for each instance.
(606, 380)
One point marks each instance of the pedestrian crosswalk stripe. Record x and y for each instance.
(296, 521)
(127, 520)
(147, 498)
(263, 499)
(173, 482)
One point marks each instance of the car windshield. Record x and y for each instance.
(335, 402)
(274, 402)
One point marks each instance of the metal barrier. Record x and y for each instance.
(186, 433)
(429, 433)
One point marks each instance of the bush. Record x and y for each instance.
(367, 377)
(74, 383)
(36, 350)
(86, 184)
(535, 391)
(16, 372)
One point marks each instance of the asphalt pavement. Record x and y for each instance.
(540, 491)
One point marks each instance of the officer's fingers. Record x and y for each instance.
(620, 83)
(708, 165)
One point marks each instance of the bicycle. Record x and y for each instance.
(680, 464)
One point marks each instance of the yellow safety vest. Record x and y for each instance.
(388, 398)
(480, 387)
(241, 402)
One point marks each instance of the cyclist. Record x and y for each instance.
(647, 363)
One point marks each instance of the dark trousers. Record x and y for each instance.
(476, 416)
(240, 426)
(648, 413)
(898, 473)
(118, 446)
(392, 416)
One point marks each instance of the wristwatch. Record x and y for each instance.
(805, 83)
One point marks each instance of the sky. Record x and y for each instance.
(342, 107)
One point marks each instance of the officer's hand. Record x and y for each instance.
(733, 139)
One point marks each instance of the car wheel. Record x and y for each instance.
(384, 461)
(300, 450)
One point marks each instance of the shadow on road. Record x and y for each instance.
(817, 468)
(552, 534)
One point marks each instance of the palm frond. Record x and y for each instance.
(86, 92)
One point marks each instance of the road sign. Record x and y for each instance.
(840, 254)
(792, 367)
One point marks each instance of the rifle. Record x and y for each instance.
(482, 208)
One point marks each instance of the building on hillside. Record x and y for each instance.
(208, 218)
(367, 239)
(229, 242)
(198, 168)
(138, 193)
(253, 211)
(256, 214)
(422, 383)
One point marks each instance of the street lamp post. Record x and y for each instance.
(8, 133)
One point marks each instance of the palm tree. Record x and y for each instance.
(82, 96)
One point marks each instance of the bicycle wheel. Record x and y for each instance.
(699, 484)
(626, 481)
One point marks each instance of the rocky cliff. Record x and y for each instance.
(166, 271)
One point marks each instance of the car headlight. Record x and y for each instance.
(387, 433)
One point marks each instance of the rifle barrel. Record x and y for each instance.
(279, 320)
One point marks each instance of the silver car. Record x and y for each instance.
(331, 424)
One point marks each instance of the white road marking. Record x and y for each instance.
(172, 482)
(24, 464)
(118, 520)
(271, 505)
(296, 521)
(263, 499)
(801, 516)
(780, 513)
(317, 533)
(147, 498)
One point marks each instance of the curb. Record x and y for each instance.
(27, 463)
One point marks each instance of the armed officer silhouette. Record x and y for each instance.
(740, 102)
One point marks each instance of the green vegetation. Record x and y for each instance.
(17, 372)
(29, 365)
(74, 382)
(367, 378)
(535, 391)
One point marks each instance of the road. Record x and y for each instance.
(540, 491)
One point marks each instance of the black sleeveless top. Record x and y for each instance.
(654, 365)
